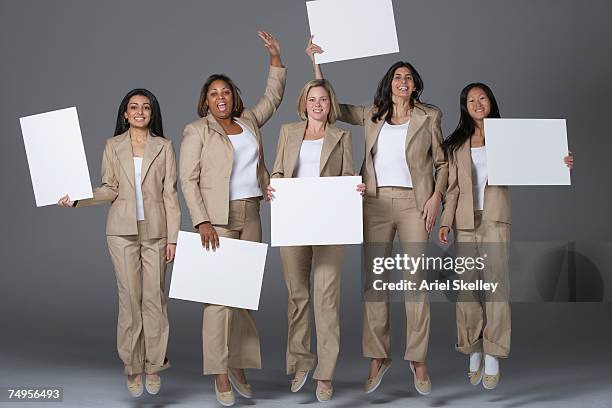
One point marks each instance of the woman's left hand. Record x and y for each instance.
(569, 160)
(170, 252)
(270, 43)
(362, 189)
(430, 211)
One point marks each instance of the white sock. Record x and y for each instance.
(491, 365)
(475, 361)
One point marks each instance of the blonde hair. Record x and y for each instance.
(334, 109)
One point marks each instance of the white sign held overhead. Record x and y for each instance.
(316, 211)
(230, 276)
(56, 157)
(526, 152)
(348, 29)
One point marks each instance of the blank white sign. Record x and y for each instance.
(347, 29)
(526, 152)
(56, 157)
(229, 276)
(316, 211)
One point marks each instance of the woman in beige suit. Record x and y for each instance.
(480, 217)
(139, 180)
(405, 172)
(313, 147)
(223, 177)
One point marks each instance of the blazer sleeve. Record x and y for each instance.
(278, 171)
(451, 197)
(189, 170)
(170, 196)
(438, 154)
(347, 155)
(109, 190)
(272, 97)
(353, 114)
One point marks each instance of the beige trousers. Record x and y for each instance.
(485, 328)
(297, 265)
(229, 335)
(142, 325)
(393, 210)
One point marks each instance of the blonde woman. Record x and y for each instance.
(313, 147)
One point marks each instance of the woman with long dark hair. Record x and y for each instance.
(139, 180)
(223, 178)
(480, 216)
(403, 148)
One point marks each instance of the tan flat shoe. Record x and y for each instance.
(490, 381)
(324, 395)
(243, 389)
(476, 376)
(372, 384)
(153, 385)
(135, 389)
(423, 387)
(299, 380)
(225, 398)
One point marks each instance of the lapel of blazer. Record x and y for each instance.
(464, 163)
(372, 135)
(152, 149)
(332, 137)
(416, 121)
(295, 136)
(125, 155)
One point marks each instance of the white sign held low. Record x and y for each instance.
(230, 276)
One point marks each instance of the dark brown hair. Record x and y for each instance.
(237, 106)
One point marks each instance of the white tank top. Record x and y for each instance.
(479, 175)
(310, 158)
(138, 188)
(243, 181)
(390, 157)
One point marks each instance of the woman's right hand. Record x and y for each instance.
(443, 235)
(65, 202)
(209, 236)
(269, 193)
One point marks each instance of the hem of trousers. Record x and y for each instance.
(151, 368)
(225, 370)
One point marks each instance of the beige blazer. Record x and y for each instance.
(459, 199)
(424, 151)
(206, 155)
(336, 154)
(158, 183)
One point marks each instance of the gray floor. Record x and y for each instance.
(561, 358)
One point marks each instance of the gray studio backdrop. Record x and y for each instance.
(544, 59)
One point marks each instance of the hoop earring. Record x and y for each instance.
(125, 121)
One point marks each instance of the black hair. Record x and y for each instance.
(466, 127)
(237, 106)
(155, 125)
(382, 99)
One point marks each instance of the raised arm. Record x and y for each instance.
(275, 86)
(109, 190)
(189, 170)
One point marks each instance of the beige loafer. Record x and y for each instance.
(373, 383)
(135, 389)
(490, 381)
(224, 398)
(153, 386)
(324, 395)
(243, 389)
(476, 376)
(423, 387)
(299, 380)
